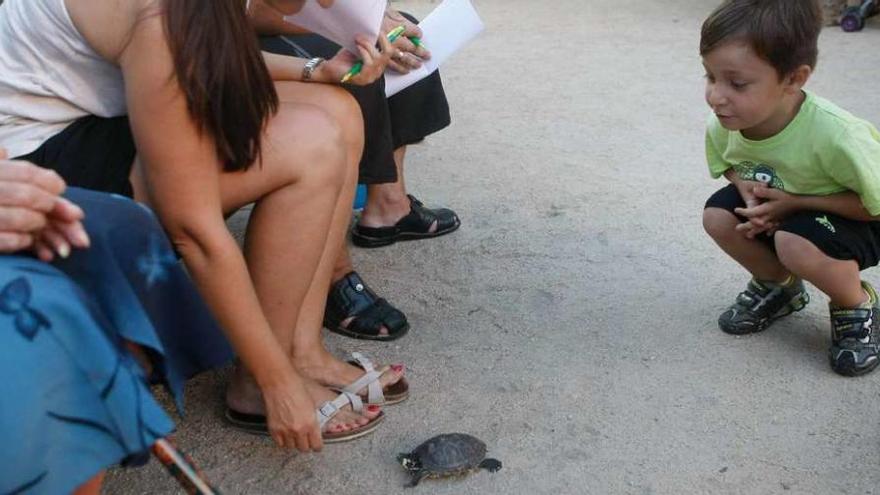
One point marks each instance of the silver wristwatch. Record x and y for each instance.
(310, 67)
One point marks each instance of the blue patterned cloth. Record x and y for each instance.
(72, 400)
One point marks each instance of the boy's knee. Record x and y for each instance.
(719, 224)
(794, 252)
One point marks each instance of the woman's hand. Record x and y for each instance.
(33, 215)
(291, 417)
(408, 56)
(374, 61)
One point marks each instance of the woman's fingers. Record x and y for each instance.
(316, 441)
(23, 220)
(398, 67)
(24, 172)
(56, 241)
(43, 251)
(11, 242)
(65, 210)
(26, 195)
(74, 232)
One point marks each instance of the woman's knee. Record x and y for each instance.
(311, 146)
(337, 102)
(348, 114)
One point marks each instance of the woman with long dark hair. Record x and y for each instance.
(171, 102)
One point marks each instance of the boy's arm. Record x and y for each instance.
(846, 204)
(777, 205)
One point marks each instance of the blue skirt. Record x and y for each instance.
(73, 401)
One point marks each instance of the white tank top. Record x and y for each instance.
(49, 76)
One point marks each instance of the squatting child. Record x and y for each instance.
(803, 203)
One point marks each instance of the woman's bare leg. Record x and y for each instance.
(308, 351)
(296, 187)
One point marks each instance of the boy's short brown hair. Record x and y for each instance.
(785, 33)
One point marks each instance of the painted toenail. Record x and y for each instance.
(398, 368)
(373, 408)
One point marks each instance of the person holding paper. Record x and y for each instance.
(391, 125)
(171, 102)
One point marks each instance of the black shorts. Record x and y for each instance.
(839, 238)
(405, 118)
(92, 153)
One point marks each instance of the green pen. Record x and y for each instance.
(416, 41)
(356, 68)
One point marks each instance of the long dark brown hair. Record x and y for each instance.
(218, 64)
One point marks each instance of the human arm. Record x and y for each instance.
(777, 205)
(268, 21)
(181, 173)
(286, 68)
(34, 215)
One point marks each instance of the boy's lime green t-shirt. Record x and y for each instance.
(824, 150)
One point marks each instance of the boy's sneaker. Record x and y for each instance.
(855, 336)
(761, 304)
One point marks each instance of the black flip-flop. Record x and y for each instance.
(414, 226)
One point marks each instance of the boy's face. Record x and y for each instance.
(745, 91)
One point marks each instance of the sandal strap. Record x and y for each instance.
(351, 297)
(420, 218)
(419, 221)
(370, 380)
(330, 409)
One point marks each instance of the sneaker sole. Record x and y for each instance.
(853, 370)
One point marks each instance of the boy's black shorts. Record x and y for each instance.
(838, 237)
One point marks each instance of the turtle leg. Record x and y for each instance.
(418, 476)
(491, 465)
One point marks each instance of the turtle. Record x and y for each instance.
(451, 454)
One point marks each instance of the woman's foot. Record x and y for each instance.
(327, 370)
(244, 397)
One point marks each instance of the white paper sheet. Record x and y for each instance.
(451, 26)
(342, 21)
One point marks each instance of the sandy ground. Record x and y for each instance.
(571, 322)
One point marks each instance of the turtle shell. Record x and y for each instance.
(450, 453)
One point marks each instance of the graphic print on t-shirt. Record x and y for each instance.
(759, 172)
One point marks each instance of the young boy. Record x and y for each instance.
(803, 202)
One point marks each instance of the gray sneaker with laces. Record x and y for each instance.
(761, 304)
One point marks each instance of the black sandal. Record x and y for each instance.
(414, 226)
(350, 297)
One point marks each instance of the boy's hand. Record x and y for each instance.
(773, 206)
(746, 189)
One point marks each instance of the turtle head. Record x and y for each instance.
(409, 462)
